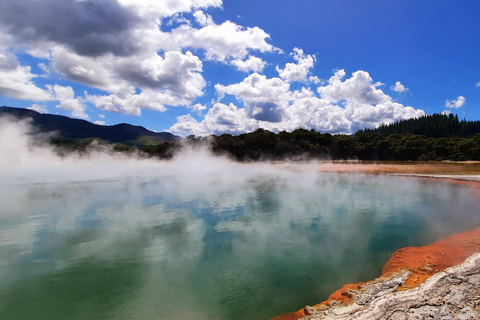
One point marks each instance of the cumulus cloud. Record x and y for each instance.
(221, 42)
(177, 72)
(16, 80)
(458, 103)
(99, 122)
(264, 98)
(93, 72)
(478, 84)
(398, 87)
(172, 80)
(108, 45)
(127, 52)
(39, 108)
(17, 83)
(132, 103)
(221, 118)
(203, 19)
(342, 106)
(359, 89)
(156, 8)
(198, 108)
(298, 71)
(251, 64)
(89, 28)
(119, 47)
(66, 97)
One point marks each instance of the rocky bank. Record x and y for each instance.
(439, 281)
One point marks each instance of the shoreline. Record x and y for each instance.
(421, 262)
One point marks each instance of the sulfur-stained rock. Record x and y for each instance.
(450, 294)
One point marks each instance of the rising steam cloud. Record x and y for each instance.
(25, 157)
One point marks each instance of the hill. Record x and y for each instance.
(68, 128)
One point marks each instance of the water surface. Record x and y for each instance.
(249, 245)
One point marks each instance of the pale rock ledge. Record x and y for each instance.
(453, 293)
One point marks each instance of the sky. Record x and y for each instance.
(206, 67)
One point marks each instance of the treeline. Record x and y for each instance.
(435, 126)
(308, 144)
(428, 138)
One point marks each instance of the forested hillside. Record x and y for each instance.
(68, 130)
(436, 126)
(308, 144)
(428, 138)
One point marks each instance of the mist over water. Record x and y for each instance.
(199, 237)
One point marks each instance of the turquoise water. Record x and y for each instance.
(249, 246)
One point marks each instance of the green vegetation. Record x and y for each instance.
(308, 144)
(429, 138)
(436, 126)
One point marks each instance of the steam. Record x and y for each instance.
(25, 159)
(199, 219)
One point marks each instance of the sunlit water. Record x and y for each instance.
(210, 247)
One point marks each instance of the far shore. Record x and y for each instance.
(468, 171)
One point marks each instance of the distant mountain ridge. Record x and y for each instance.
(69, 128)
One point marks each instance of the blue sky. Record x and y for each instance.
(211, 66)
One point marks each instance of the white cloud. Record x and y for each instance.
(315, 80)
(359, 89)
(251, 64)
(298, 71)
(91, 71)
(101, 123)
(92, 28)
(477, 84)
(133, 103)
(177, 72)
(187, 125)
(38, 108)
(203, 19)
(107, 45)
(344, 106)
(219, 119)
(45, 69)
(66, 97)
(16, 81)
(162, 9)
(114, 46)
(223, 42)
(198, 108)
(264, 98)
(398, 87)
(458, 103)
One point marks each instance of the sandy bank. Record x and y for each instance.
(466, 169)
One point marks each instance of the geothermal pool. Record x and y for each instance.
(250, 244)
